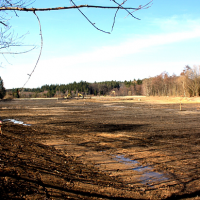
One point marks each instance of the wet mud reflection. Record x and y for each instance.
(16, 122)
(148, 176)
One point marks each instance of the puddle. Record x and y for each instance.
(148, 176)
(16, 122)
(126, 160)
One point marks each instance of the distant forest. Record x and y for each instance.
(82, 88)
(186, 84)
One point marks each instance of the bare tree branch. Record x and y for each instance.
(22, 5)
(7, 60)
(88, 18)
(41, 38)
(127, 10)
(7, 39)
(116, 15)
(20, 52)
(146, 6)
(65, 8)
(3, 23)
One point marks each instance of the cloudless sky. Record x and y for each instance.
(165, 39)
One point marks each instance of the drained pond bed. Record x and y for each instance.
(89, 149)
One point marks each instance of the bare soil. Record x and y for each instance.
(102, 148)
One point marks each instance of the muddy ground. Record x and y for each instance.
(100, 149)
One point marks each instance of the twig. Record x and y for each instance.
(146, 6)
(121, 7)
(88, 19)
(3, 23)
(39, 53)
(116, 15)
(22, 52)
(7, 60)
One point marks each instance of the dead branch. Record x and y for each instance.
(21, 5)
(41, 39)
(64, 8)
(21, 52)
(116, 14)
(88, 18)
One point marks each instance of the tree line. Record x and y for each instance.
(80, 88)
(186, 84)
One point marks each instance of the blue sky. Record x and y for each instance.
(165, 39)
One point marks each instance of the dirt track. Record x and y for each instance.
(100, 149)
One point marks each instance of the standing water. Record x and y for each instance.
(148, 176)
(16, 122)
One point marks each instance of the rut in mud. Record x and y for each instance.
(87, 149)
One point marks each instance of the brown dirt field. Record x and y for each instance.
(100, 148)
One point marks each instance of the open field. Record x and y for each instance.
(100, 148)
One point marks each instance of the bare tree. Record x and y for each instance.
(7, 37)
(192, 76)
(187, 84)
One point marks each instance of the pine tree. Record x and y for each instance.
(2, 89)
